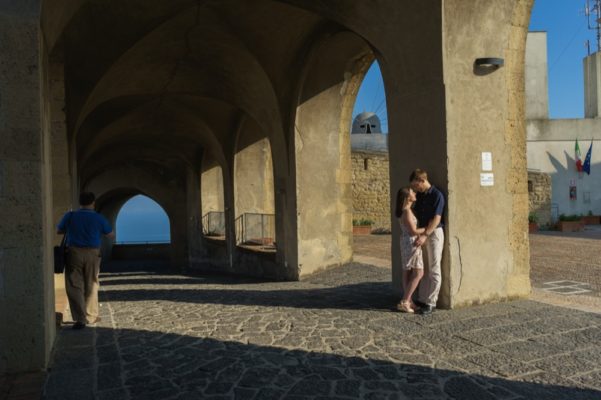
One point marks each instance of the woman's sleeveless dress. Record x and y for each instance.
(411, 256)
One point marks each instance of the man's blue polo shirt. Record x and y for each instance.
(428, 205)
(84, 228)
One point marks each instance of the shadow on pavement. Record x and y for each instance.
(138, 364)
(367, 295)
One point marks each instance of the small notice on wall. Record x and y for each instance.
(487, 179)
(486, 161)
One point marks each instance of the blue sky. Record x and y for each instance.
(371, 96)
(142, 219)
(567, 32)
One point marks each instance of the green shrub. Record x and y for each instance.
(570, 217)
(362, 222)
(533, 217)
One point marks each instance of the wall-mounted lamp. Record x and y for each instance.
(486, 65)
(489, 62)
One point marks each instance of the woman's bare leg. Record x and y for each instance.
(411, 279)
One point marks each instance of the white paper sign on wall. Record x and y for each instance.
(486, 161)
(487, 179)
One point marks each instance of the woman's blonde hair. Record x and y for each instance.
(401, 200)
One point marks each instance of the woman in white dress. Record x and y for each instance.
(412, 262)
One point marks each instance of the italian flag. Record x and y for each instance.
(578, 157)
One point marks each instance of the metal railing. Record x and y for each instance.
(255, 229)
(136, 242)
(213, 223)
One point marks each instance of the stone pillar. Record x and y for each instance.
(61, 176)
(178, 224)
(193, 217)
(487, 253)
(323, 151)
(26, 283)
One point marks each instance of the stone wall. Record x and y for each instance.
(539, 196)
(371, 188)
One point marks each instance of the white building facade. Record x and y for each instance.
(551, 142)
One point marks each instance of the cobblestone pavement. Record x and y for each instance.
(565, 268)
(574, 257)
(331, 336)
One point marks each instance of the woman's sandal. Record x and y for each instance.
(405, 306)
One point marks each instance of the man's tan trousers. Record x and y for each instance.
(430, 283)
(81, 283)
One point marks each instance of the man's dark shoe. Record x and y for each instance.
(420, 304)
(426, 309)
(78, 325)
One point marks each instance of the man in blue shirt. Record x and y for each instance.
(429, 209)
(84, 229)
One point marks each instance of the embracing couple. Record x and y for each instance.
(420, 208)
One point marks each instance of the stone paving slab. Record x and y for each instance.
(330, 336)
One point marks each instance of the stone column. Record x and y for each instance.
(194, 232)
(61, 176)
(322, 151)
(487, 223)
(26, 290)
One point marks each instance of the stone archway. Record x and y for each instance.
(171, 80)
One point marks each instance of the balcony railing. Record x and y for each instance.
(254, 229)
(213, 224)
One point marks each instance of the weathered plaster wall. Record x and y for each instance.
(539, 196)
(211, 186)
(371, 188)
(26, 289)
(485, 113)
(254, 179)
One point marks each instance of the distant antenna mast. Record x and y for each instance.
(593, 8)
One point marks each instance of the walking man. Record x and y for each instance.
(84, 229)
(429, 209)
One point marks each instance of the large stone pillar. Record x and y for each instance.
(193, 218)
(417, 135)
(487, 236)
(61, 177)
(450, 114)
(323, 151)
(26, 283)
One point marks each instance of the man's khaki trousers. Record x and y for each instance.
(430, 283)
(81, 283)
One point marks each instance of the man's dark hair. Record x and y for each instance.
(418, 173)
(86, 198)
